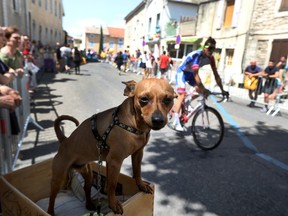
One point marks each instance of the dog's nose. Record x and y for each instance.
(158, 121)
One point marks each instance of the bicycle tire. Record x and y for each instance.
(210, 137)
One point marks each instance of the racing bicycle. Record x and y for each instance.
(207, 124)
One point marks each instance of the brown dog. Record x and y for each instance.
(146, 108)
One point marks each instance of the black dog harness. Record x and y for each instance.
(115, 121)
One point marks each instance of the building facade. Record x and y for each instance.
(41, 20)
(243, 30)
(153, 24)
(113, 39)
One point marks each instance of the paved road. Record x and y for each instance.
(246, 175)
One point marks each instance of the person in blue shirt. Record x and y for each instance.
(188, 73)
(125, 59)
(253, 70)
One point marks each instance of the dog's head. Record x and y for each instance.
(154, 98)
(130, 86)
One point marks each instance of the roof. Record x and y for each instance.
(116, 32)
(111, 31)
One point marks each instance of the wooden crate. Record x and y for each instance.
(21, 189)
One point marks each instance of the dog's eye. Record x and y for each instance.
(167, 101)
(144, 100)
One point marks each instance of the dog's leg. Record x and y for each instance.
(113, 170)
(87, 174)
(136, 166)
(59, 174)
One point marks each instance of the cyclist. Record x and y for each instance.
(188, 72)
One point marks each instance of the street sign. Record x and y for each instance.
(177, 46)
(178, 39)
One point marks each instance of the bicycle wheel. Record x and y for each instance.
(207, 128)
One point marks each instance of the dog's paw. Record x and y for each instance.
(116, 207)
(145, 187)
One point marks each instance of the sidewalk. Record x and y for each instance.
(43, 112)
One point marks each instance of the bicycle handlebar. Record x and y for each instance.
(224, 98)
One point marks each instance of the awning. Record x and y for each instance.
(191, 39)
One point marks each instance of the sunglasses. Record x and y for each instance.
(210, 48)
(16, 37)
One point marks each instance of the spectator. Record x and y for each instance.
(12, 58)
(125, 59)
(58, 58)
(156, 66)
(144, 58)
(77, 58)
(282, 72)
(253, 70)
(138, 61)
(149, 65)
(119, 61)
(10, 54)
(271, 73)
(164, 64)
(66, 54)
(6, 75)
(133, 62)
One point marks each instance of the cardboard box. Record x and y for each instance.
(21, 189)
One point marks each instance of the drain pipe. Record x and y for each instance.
(247, 36)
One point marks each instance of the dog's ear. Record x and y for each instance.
(130, 87)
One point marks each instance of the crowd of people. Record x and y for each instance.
(19, 57)
(145, 64)
(271, 81)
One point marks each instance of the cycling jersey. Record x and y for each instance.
(193, 61)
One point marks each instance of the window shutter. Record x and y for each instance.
(236, 14)
(220, 13)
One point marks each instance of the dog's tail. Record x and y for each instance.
(57, 129)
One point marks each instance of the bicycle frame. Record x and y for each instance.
(200, 105)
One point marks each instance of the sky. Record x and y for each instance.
(84, 13)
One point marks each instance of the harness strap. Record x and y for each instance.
(115, 121)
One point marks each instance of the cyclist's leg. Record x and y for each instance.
(181, 89)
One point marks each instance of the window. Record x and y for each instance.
(55, 8)
(173, 51)
(16, 6)
(34, 30)
(51, 6)
(46, 5)
(229, 57)
(111, 44)
(120, 43)
(39, 3)
(283, 6)
(279, 49)
(149, 24)
(158, 19)
(40, 33)
(91, 44)
(189, 48)
(229, 13)
(60, 14)
(33, 1)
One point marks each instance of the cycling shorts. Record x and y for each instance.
(181, 79)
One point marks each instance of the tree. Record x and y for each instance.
(101, 40)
